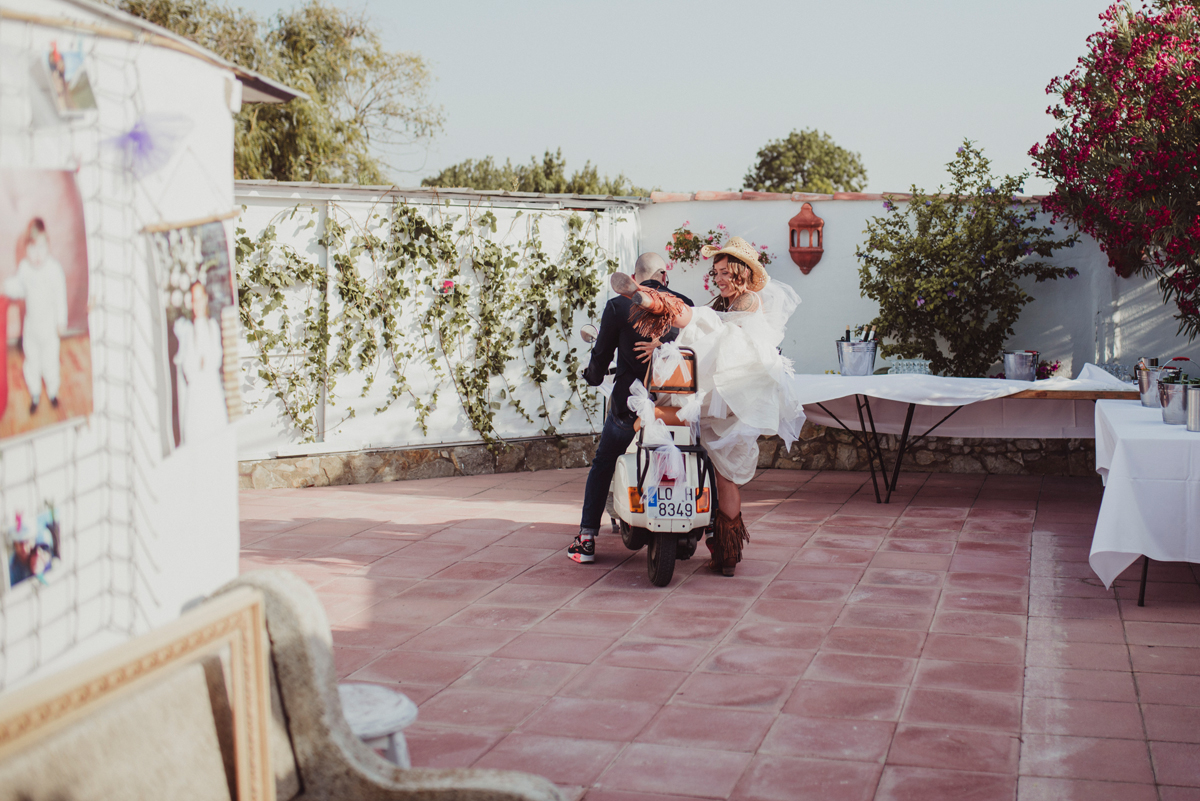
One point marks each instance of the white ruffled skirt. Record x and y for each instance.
(746, 386)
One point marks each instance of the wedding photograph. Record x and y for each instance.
(197, 292)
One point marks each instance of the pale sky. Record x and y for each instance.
(681, 95)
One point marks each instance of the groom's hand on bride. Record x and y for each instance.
(645, 349)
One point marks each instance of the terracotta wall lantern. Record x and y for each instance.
(805, 228)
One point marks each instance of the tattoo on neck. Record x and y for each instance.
(743, 302)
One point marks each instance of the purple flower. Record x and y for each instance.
(149, 144)
(961, 149)
(951, 294)
(920, 301)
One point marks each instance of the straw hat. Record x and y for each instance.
(740, 249)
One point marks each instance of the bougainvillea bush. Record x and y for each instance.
(1126, 155)
(946, 268)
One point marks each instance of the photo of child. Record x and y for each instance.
(40, 282)
(34, 547)
(46, 366)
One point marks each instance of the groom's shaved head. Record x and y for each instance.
(648, 264)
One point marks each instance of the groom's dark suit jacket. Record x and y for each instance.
(617, 335)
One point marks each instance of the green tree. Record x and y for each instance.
(806, 161)
(946, 267)
(365, 98)
(548, 176)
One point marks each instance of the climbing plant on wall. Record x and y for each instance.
(430, 287)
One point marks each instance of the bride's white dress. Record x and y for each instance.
(746, 384)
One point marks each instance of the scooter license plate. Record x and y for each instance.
(671, 502)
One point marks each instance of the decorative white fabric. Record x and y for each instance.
(1001, 417)
(667, 458)
(1151, 502)
(745, 383)
(988, 413)
(667, 360)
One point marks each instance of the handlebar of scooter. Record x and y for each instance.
(588, 334)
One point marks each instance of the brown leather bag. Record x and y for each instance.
(680, 382)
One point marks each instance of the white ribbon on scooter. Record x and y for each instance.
(689, 412)
(667, 359)
(640, 403)
(667, 459)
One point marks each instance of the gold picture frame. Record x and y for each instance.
(231, 626)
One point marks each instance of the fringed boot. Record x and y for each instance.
(726, 543)
(653, 312)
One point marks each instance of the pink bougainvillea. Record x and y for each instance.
(1126, 155)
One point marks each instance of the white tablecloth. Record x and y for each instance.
(988, 412)
(1151, 474)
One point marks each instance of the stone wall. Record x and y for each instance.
(823, 448)
(370, 467)
(819, 448)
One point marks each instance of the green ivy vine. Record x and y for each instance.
(430, 287)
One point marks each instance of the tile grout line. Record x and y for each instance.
(1137, 688)
(908, 689)
(1025, 650)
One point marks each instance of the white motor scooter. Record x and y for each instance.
(669, 515)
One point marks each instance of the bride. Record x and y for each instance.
(743, 381)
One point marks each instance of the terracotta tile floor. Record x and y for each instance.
(953, 644)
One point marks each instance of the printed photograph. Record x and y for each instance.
(69, 82)
(33, 546)
(47, 375)
(196, 285)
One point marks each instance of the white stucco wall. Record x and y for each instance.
(265, 432)
(1096, 317)
(143, 535)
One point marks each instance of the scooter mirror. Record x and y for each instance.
(589, 333)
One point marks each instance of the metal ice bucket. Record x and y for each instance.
(1148, 378)
(1021, 365)
(856, 358)
(1173, 398)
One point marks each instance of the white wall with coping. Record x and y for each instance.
(1096, 317)
(265, 433)
(142, 535)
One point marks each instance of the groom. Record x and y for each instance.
(616, 335)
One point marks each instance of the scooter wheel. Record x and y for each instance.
(660, 558)
(634, 538)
